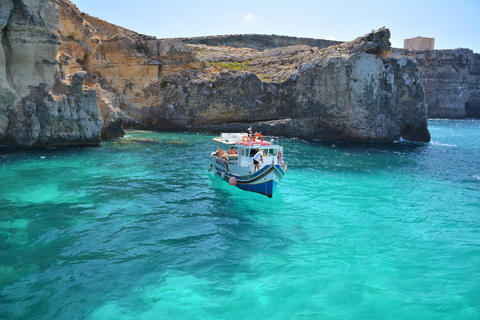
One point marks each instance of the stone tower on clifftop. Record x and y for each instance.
(419, 43)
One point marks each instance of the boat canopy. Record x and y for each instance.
(231, 138)
(243, 139)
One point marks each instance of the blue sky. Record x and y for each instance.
(453, 24)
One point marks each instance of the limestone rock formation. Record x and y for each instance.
(124, 67)
(37, 107)
(74, 79)
(344, 92)
(451, 79)
(259, 41)
(65, 117)
(348, 91)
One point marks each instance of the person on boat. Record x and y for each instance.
(220, 153)
(232, 151)
(256, 160)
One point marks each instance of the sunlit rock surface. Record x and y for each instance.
(70, 78)
(451, 79)
(38, 107)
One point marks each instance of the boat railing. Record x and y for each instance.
(235, 139)
(271, 139)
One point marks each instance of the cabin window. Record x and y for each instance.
(270, 152)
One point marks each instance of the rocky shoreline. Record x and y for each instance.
(71, 79)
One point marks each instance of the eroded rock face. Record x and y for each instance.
(124, 67)
(44, 118)
(361, 97)
(345, 92)
(37, 107)
(349, 91)
(30, 44)
(451, 79)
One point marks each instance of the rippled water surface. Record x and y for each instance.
(138, 229)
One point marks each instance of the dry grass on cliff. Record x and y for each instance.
(274, 65)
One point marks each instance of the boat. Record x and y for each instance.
(236, 163)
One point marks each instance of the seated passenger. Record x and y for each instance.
(232, 151)
(220, 153)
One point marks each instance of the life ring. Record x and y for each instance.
(279, 155)
(258, 136)
(244, 139)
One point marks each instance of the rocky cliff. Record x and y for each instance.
(341, 93)
(38, 107)
(72, 78)
(350, 91)
(125, 68)
(259, 41)
(451, 79)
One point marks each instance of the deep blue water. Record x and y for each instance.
(138, 229)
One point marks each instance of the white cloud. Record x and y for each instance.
(249, 16)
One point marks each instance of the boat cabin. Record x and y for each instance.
(232, 159)
(246, 147)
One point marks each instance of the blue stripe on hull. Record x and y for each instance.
(265, 188)
(253, 182)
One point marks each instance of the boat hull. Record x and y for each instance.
(263, 181)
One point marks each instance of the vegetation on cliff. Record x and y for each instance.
(272, 65)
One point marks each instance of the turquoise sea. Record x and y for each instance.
(139, 229)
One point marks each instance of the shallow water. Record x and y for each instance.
(138, 229)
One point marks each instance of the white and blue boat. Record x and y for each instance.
(233, 161)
